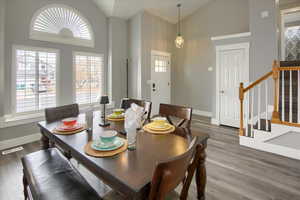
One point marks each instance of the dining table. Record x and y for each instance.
(130, 172)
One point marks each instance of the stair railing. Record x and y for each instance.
(283, 85)
(254, 103)
(289, 94)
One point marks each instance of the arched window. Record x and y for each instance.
(61, 24)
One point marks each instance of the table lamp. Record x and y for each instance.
(104, 100)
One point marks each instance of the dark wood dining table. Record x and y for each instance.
(129, 172)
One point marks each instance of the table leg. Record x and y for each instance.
(201, 175)
(45, 141)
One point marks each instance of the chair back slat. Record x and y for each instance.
(170, 173)
(182, 112)
(61, 112)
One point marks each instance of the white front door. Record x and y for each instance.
(160, 79)
(233, 68)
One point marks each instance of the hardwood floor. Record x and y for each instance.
(234, 172)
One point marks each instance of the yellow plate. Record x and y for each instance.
(155, 128)
(112, 116)
(147, 130)
(116, 119)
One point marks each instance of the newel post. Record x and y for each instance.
(275, 69)
(241, 96)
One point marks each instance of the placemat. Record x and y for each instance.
(55, 131)
(100, 154)
(158, 132)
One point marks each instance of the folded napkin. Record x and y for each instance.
(133, 120)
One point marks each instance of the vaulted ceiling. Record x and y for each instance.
(165, 9)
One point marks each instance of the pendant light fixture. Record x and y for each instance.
(179, 41)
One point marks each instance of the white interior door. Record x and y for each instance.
(160, 79)
(233, 67)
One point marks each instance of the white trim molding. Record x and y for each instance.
(202, 113)
(215, 121)
(225, 37)
(5, 144)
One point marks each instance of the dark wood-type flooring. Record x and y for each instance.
(233, 172)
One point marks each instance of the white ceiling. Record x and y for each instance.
(165, 9)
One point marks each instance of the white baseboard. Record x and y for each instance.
(202, 113)
(214, 121)
(5, 144)
(271, 148)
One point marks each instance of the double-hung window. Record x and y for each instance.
(34, 79)
(89, 73)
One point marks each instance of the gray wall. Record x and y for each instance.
(117, 56)
(18, 18)
(264, 37)
(2, 25)
(157, 34)
(192, 83)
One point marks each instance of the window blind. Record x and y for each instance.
(89, 78)
(35, 80)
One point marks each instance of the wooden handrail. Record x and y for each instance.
(296, 68)
(258, 81)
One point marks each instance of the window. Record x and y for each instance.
(160, 63)
(62, 24)
(88, 78)
(35, 79)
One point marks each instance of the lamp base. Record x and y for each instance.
(104, 125)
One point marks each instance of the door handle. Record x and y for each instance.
(222, 91)
(153, 87)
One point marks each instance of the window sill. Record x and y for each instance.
(16, 120)
(21, 119)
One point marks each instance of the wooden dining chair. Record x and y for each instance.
(61, 112)
(126, 103)
(170, 173)
(181, 112)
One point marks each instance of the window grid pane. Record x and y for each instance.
(89, 78)
(35, 80)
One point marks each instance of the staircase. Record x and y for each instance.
(273, 128)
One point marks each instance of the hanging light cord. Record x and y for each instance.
(179, 5)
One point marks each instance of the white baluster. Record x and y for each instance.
(252, 114)
(282, 97)
(247, 114)
(298, 85)
(258, 108)
(266, 93)
(291, 99)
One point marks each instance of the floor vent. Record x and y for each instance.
(20, 148)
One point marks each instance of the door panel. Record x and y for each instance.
(233, 70)
(160, 80)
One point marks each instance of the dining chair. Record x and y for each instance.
(126, 103)
(170, 173)
(181, 112)
(61, 112)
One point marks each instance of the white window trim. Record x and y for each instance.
(48, 37)
(13, 114)
(75, 53)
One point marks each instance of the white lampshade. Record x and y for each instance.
(179, 41)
